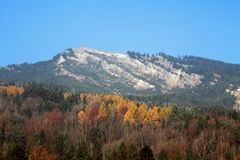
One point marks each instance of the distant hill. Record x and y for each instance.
(184, 80)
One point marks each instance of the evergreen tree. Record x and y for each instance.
(96, 139)
(236, 135)
(146, 153)
(178, 156)
(190, 155)
(58, 144)
(162, 155)
(68, 152)
(122, 152)
(229, 155)
(40, 138)
(2, 135)
(132, 153)
(15, 152)
(202, 123)
(81, 152)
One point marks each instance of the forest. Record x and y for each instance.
(41, 122)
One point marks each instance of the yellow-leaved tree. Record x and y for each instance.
(103, 112)
(153, 115)
(142, 113)
(11, 90)
(67, 94)
(165, 112)
(131, 114)
(81, 117)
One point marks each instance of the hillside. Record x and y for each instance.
(133, 74)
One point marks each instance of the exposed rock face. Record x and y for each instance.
(237, 102)
(236, 94)
(111, 68)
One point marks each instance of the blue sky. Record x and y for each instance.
(34, 30)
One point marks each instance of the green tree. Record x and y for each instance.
(122, 152)
(229, 155)
(132, 153)
(146, 153)
(16, 135)
(178, 156)
(210, 146)
(2, 135)
(236, 135)
(162, 155)
(15, 152)
(202, 123)
(96, 139)
(58, 144)
(190, 155)
(69, 151)
(81, 152)
(40, 138)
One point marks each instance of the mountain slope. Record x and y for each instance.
(90, 70)
(106, 71)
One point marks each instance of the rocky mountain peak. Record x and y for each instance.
(105, 69)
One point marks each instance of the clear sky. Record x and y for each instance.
(34, 30)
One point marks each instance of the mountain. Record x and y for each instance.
(90, 70)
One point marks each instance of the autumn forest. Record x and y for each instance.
(39, 122)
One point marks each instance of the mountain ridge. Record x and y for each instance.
(141, 53)
(131, 73)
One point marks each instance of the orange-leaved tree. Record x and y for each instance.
(131, 114)
(142, 113)
(81, 117)
(11, 90)
(39, 152)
